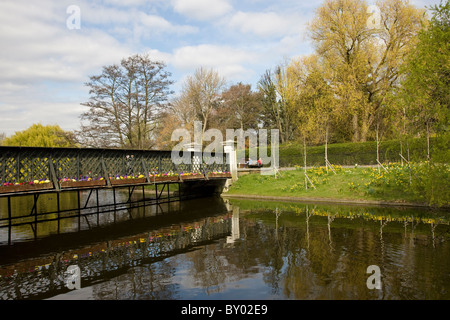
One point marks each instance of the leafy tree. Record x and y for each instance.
(315, 104)
(240, 107)
(425, 92)
(364, 59)
(271, 113)
(278, 106)
(39, 135)
(286, 87)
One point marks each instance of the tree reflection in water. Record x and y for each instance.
(266, 250)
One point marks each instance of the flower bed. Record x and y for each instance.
(96, 181)
(71, 183)
(120, 180)
(30, 186)
(163, 178)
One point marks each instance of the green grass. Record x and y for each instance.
(355, 184)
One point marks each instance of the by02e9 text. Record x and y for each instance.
(247, 309)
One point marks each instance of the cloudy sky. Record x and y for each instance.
(45, 61)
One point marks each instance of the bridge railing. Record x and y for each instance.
(33, 165)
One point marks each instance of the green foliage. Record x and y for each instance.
(41, 136)
(425, 91)
(331, 94)
(425, 183)
(364, 153)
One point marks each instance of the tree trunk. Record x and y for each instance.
(378, 152)
(428, 141)
(364, 129)
(326, 147)
(304, 151)
(355, 128)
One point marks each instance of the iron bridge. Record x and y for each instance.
(125, 178)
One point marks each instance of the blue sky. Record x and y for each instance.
(44, 64)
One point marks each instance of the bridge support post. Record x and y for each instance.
(53, 174)
(105, 173)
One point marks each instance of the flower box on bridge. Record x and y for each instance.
(164, 178)
(194, 176)
(219, 175)
(126, 181)
(26, 187)
(81, 184)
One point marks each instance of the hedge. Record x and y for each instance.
(362, 153)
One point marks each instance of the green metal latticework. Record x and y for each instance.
(28, 164)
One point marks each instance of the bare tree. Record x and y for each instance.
(124, 103)
(179, 114)
(202, 92)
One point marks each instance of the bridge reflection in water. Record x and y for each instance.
(51, 184)
(109, 250)
(200, 249)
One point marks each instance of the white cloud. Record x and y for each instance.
(154, 23)
(267, 24)
(126, 3)
(43, 65)
(229, 62)
(157, 55)
(65, 114)
(202, 9)
(65, 57)
(97, 14)
(37, 46)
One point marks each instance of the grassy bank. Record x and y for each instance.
(424, 184)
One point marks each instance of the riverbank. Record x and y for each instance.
(316, 200)
(366, 186)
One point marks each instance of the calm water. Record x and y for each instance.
(219, 249)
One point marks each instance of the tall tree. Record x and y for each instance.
(365, 58)
(425, 92)
(271, 112)
(240, 107)
(124, 103)
(202, 92)
(278, 105)
(315, 103)
(286, 87)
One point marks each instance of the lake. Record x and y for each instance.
(212, 248)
